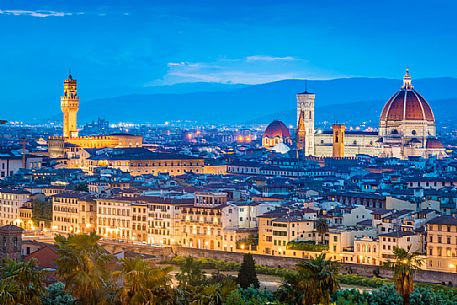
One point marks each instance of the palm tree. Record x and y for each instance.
(313, 282)
(322, 228)
(82, 266)
(405, 265)
(215, 290)
(21, 283)
(143, 284)
(191, 273)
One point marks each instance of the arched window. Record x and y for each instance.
(355, 142)
(413, 132)
(394, 131)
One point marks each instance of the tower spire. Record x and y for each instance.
(407, 80)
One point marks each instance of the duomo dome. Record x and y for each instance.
(407, 114)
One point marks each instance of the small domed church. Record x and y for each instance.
(277, 137)
(406, 128)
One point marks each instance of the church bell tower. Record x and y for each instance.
(69, 103)
(305, 108)
(301, 136)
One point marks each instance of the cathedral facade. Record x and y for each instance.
(406, 128)
(70, 142)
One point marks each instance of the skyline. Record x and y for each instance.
(116, 48)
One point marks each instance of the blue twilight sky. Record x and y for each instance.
(116, 47)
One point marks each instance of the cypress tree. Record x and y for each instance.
(247, 276)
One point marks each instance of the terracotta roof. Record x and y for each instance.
(276, 129)
(45, 257)
(434, 144)
(407, 104)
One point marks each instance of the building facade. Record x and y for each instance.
(73, 212)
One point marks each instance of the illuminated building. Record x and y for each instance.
(442, 244)
(211, 223)
(70, 142)
(73, 212)
(305, 109)
(276, 136)
(338, 140)
(11, 201)
(141, 161)
(406, 128)
(69, 103)
(114, 218)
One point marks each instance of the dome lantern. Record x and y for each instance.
(407, 81)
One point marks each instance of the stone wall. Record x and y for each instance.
(425, 276)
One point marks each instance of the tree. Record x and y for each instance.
(142, 283)
(41, 210)
(386, 295)
(313, 283)
(215, 290)
(82, 266)
(57, 295)
(322, 228)
(191, 273)
(405, 265)
(249, 296)
(21, 283)
(247, 276)
(82, 187)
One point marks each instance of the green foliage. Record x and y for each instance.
(142, 283)
(21, 283)
(81, 187)
(405, 265)
(386, 295)
(82, 266)
(41, 210)
(191, 273)
(211, 263)
(357, 280)
(322, 228)
(306, 246)
(350, 297)
(249, 296)
(313, 283)
(57, 296)
(247, 276)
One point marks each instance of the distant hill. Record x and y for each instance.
(357, 112)
(359, 99)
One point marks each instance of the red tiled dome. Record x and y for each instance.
(434, 144)
(407, 104)
(276, 129)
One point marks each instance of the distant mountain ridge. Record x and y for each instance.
(345, 99)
